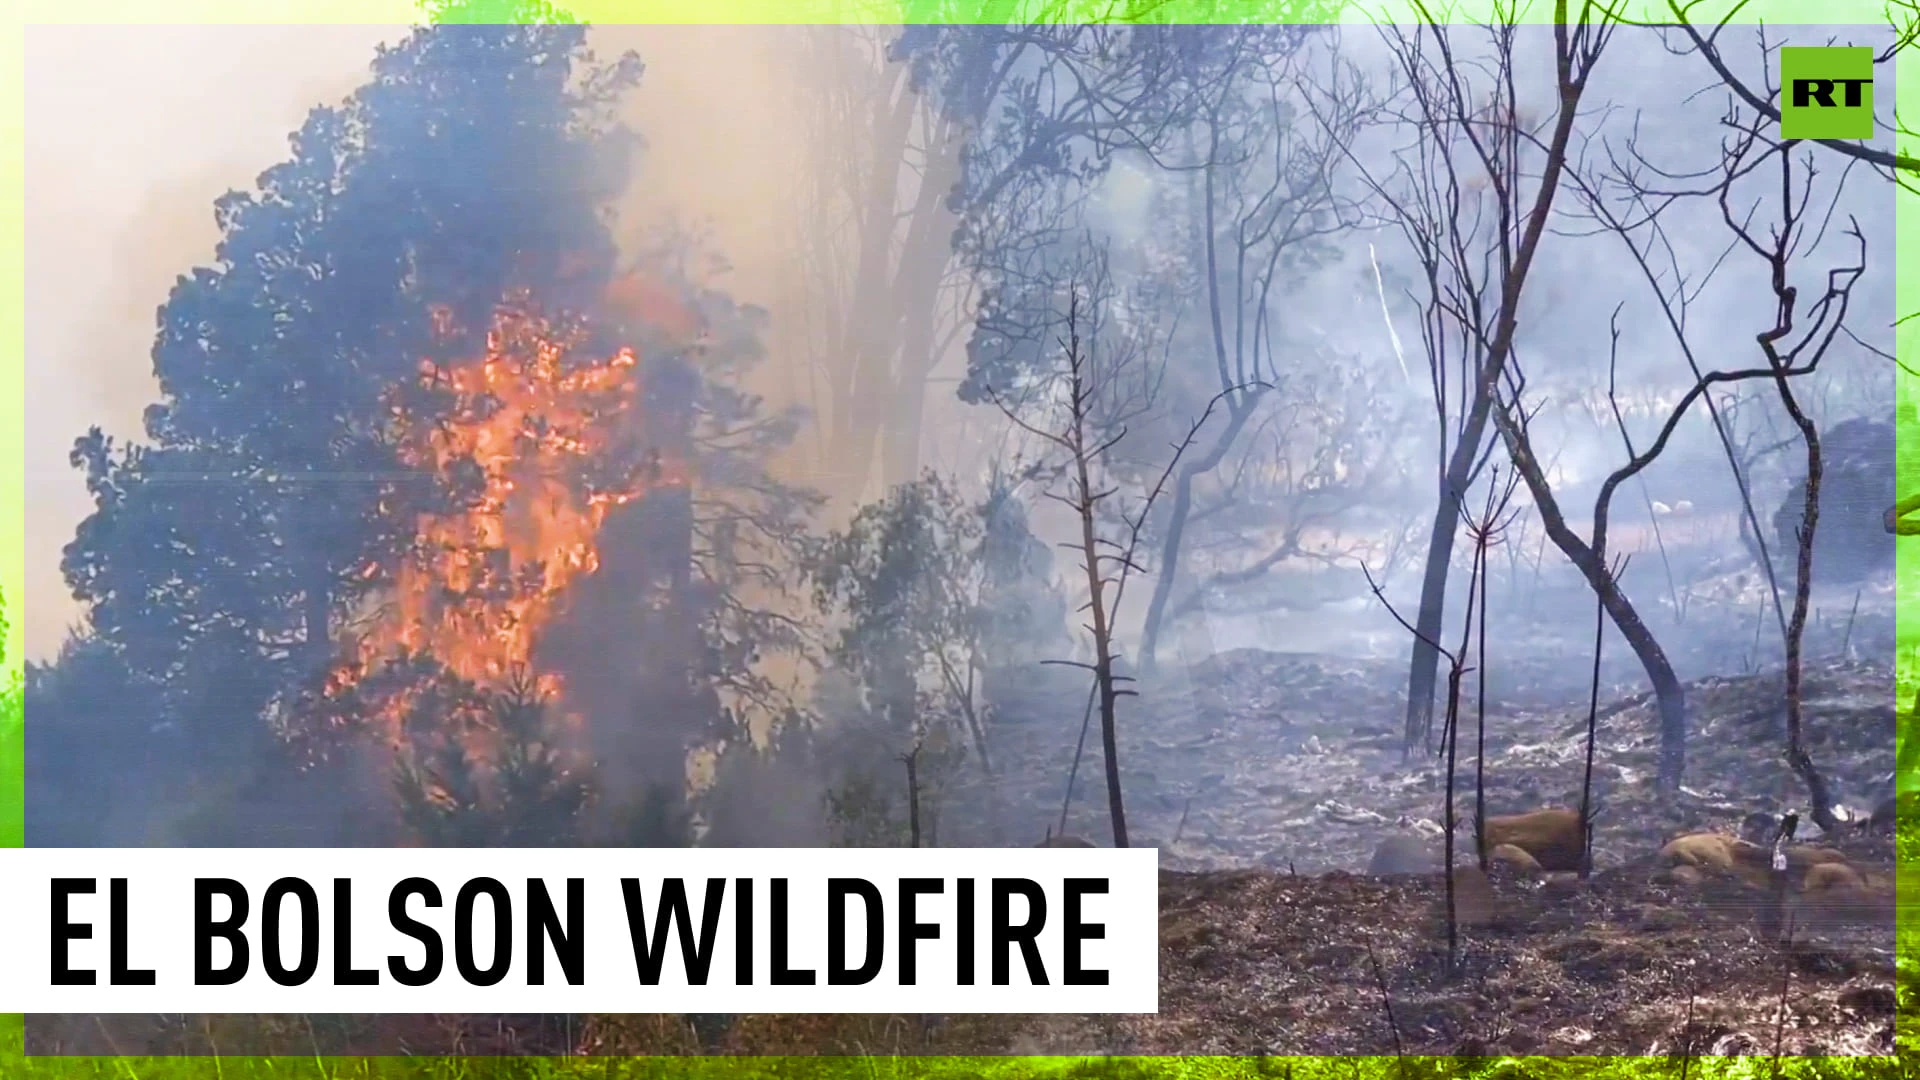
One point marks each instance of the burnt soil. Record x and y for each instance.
(1271, 942)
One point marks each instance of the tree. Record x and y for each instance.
(1260, 198)
(933, 143)
(249, 557)
(1793, 343)
(226, 550)
(875, 249)
(1472, 196)
(1754, 106)
(525, 796)
(903, 582)
(87, 767)
(1081, 414)
(1209, 118)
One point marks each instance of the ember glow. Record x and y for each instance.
(535, 441)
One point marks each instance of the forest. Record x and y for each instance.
(1435, 483)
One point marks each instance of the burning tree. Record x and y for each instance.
(411, 409)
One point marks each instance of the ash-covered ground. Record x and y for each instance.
(1266, 779)
(1293, 760)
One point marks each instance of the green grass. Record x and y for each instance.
(12, 773)
(19, 1067)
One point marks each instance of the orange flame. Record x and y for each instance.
(539, 440)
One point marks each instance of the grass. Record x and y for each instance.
(918, 1068)
(923, 1068)
(13, 730)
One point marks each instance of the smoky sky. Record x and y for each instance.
(133, 132)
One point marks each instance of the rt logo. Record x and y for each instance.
(1829, 93)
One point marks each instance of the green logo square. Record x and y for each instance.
(1826, 93)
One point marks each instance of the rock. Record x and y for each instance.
(1689, 876)
(1403, 854)
(1856, 487)
(1868, 1000)
(1832, 876)
(1515, 859)
(1710, 851)
(1551, 836)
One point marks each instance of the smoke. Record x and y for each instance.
(132, 133)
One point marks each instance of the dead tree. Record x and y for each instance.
(1486, 531)
(1793, 346)
(1593, 729)
(1449, 740)
(1260, 194)
(1762, 96)
(1460, 197)
(1088, 424)
(1785, 358)
(911, 759)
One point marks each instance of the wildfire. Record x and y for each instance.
(537, 439)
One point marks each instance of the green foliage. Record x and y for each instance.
(904, 578)
(13, 731)
(475, 158)
(903, 584)
(660, 818)
(525, 796)
(529, 12)
(85, 757)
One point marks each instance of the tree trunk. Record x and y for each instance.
(1461, 464)
(1090, 548)
(912, 760)
(1169, 570)
(1425, 670)
(1590, 560)
(1670, 696)
(1797, 755)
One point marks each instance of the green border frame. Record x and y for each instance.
(13, 1062)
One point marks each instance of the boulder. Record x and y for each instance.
(1851, 541)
